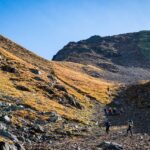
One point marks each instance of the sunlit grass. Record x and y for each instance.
(86, 84)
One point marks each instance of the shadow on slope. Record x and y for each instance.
(131, 101)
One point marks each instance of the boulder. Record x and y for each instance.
(2, 104)
(51, 77)
(7, 146)
(60, 87)
(72, 101)
(53, 117)
(47, 89)
(14, 108)
(22, 88)
(108, 66)
(35, 71)
(3, 126)
(69, 100)
(8, 135)
(19, 146)
(106, 145)
(95, 74)
(9, 69)
(7, 119)
(37, 128)
(38, 79)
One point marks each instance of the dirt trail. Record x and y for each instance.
(96, 134)
(139, 141)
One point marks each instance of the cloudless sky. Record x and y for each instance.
(45, 26)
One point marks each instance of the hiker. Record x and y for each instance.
(121, 111)
(107, 125)
(114, 110)
(105, 110)
(130, 126)
(110, 112)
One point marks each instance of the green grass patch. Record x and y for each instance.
(144, 44)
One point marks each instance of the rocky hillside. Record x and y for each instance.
(41, 98)
(46, 104)
(139, 94)
(124, 57)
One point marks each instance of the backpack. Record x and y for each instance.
(107, 124)
(130, 123)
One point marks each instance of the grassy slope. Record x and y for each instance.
(73, 75)
(36, 98)
(24, 54)
(76, 82)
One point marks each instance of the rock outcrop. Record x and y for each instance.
(123, 58)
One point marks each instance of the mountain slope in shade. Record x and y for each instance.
(124, 57)
(139, 94)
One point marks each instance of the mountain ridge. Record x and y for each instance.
(122, 56)
(108, 46)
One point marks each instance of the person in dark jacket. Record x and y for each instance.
(107, 126)
(130, 126)
(110, 112)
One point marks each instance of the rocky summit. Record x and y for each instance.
(63, 104)
(124, 57)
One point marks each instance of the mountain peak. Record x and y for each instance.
(95, 38)
(112, 53)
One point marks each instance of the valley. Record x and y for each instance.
(60, 104)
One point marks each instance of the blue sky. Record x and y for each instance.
(45, 26)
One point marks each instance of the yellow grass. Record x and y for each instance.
(70, 75)
(3, 139)
(86, 84)
(43, 104)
